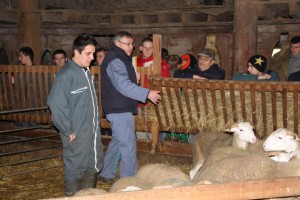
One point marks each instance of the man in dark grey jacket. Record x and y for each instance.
(74, 111)
(120, 95)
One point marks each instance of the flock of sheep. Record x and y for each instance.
(221, 158)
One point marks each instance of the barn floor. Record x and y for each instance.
(43, 178)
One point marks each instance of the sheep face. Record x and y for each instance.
(281, 140)
(244, 131)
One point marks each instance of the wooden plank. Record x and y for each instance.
(296, 108)
(178, 92)
(274, 110)
(157, 55)
(284, 107)
(169, 84)
(264, 108)
(196, 99)
(253, 103)
(257, 189)
(245, 37)
(233, 101)
(29, 24)
(224, 106)
(185, 93)
(243, 104)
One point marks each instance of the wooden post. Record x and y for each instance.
(29, 27)
(245, 33)
(155, 136)
(156, 55)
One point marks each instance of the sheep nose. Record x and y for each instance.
(254, 140)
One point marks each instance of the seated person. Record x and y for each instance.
(207, 68)
(294, 76)
(257, 71)
(188, 64)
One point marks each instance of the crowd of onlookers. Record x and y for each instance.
(202, 66)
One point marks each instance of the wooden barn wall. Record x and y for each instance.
(61, 23)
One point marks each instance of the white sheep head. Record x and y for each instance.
(244, 131)
(282, 140)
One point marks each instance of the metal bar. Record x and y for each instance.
(28, 139)
(25, 129)
(22, 110)
(32, 171)
(28, 151)
(29, 161)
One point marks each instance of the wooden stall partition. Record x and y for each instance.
(193, 106)
(256, 189)
(24, 91)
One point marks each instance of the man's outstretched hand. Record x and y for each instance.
(154, 96)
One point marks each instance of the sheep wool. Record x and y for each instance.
(163, 175)
(228, 165)
(124, 183)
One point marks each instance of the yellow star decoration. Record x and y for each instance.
(259, 61)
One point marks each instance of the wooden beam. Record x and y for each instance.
(29, 27)
(245, 34)
(258, 189)
(157, 55)
(8, 16)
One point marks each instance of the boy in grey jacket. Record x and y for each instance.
(74, 112)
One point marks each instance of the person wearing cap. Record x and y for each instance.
(187, 65)
(207, 68)
(257, 70)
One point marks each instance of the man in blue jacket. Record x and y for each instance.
(120, 95)
(74, 112)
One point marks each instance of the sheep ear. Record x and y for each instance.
(294, 135)
(233, 128)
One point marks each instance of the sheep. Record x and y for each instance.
(123, 184)
(89, 191)
(204, 143)
(284, 141)
(226, 164)
(163, 175)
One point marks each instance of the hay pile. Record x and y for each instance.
(214, 120)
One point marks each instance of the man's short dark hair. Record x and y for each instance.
(147, 39)
(59, 51)
(27, 51)
(83, 40)
(101, 49)
(295, 40)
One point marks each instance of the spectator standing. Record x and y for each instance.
(26, 56)
(99, 55)
(146, 59)
(294, 60)
(59, 57)
(74, 112)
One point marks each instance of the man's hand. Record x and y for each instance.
(72, 137)
(198, 77)
(264, 76)
(154, 96)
